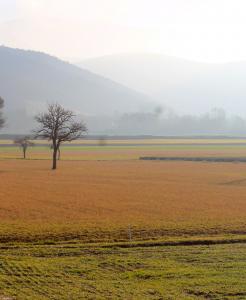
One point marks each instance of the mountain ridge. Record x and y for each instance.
(30, 79)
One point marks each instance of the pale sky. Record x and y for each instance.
(201, 30)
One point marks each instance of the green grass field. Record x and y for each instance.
(76, 271)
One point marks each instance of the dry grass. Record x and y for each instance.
(110, 195)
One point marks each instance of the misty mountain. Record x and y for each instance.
(28, 80)
(188, 87)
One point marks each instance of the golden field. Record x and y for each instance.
(154, 198)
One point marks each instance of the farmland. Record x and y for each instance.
(130, 149)
(106, 220)
(169, 196)
(75, 271)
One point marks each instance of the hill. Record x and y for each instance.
(28, 80)
(186, 86)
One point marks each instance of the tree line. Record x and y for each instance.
(57, 125)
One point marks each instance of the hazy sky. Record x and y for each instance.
(203, 30)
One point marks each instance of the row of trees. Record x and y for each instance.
(57, 125)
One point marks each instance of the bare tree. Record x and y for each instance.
(58, 125)
(1, 116)
(24, 143)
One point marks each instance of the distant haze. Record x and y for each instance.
(210, 31)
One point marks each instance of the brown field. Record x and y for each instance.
(154, 198)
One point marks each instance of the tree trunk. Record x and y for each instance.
(59, 153)
(54, 158)
(24, 153)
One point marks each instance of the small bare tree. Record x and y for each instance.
(58, 125)
(1, 116)
(24, 143)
